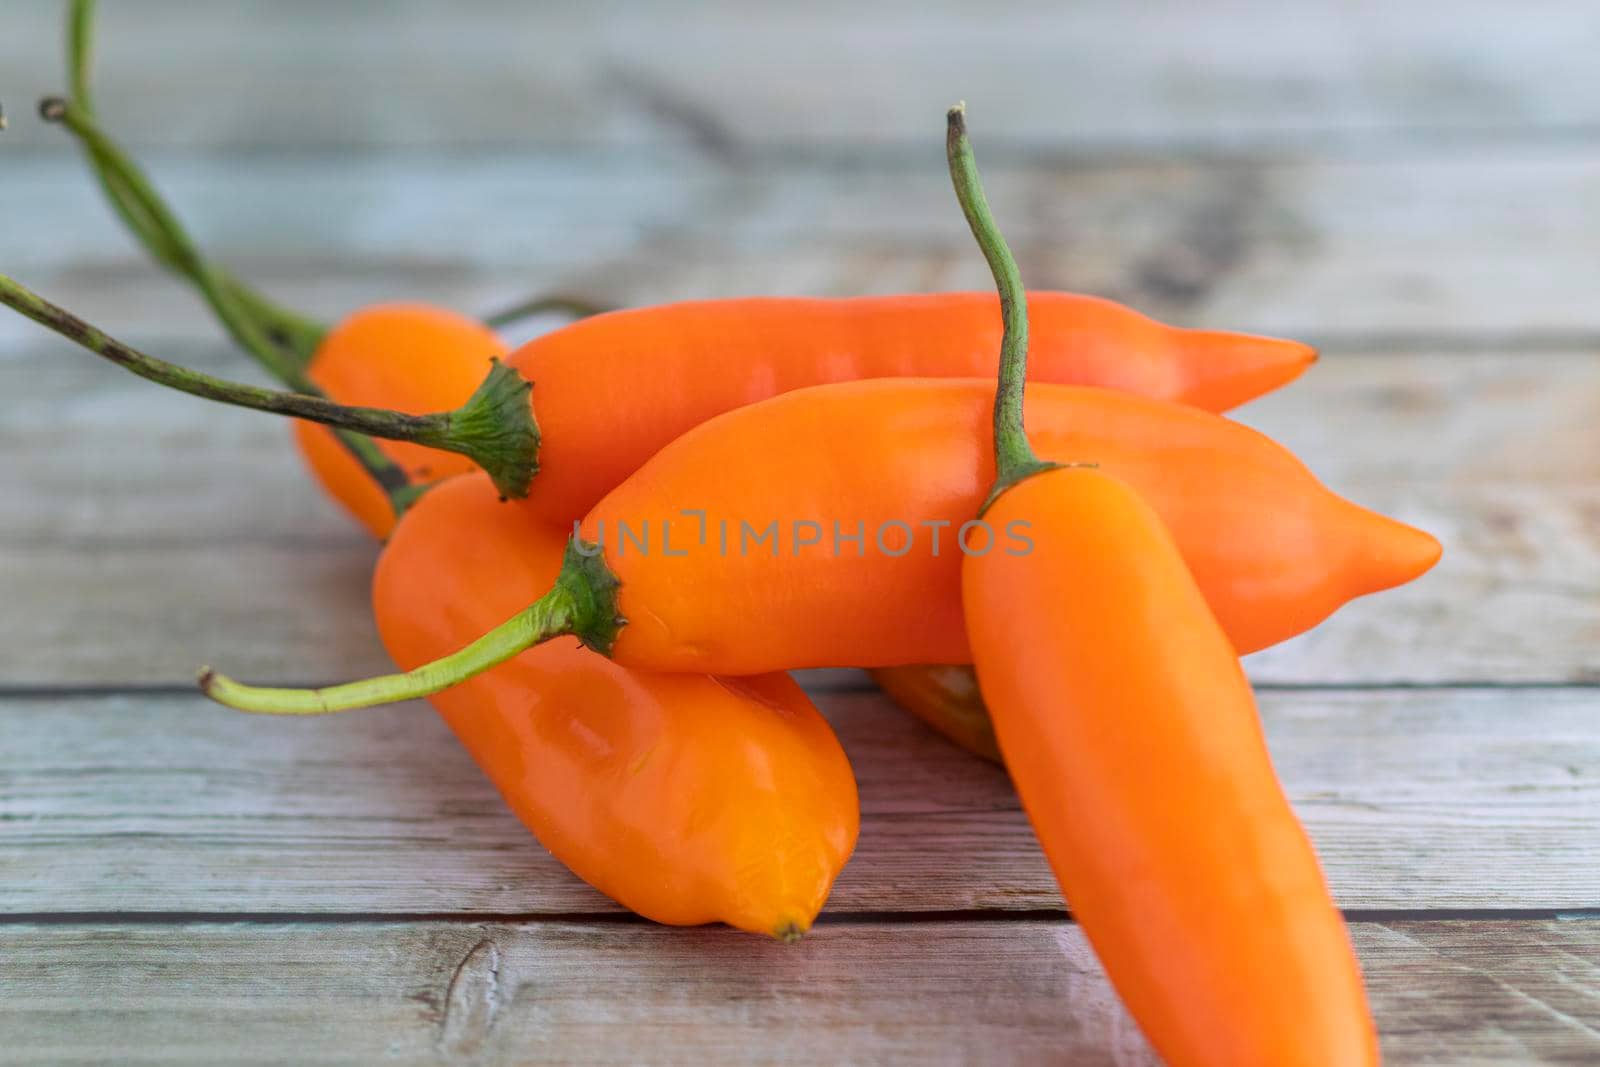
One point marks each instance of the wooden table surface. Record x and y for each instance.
(1417, 194)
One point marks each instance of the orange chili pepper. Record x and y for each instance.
(1274, 551)
(414, 358)
(685, 797)
(613, 390)
(1133, 739)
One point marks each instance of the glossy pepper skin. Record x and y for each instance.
(612, 390)
(414, 358)
(1274, 551)
(1133, 739)
(684, 797)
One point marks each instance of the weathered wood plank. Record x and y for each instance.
(145, 533)
(1496, 457)
(1358, 250)
(727, 76)
(1417, 799)
(935, 992)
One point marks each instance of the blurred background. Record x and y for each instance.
(1329, 168)
(1415, 189)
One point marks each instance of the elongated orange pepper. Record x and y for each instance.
(1133, 739)
(613, 390)
(687, 798)
(1274, 551)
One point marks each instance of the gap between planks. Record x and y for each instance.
(859, 684)
(626, 918)
(1024, 992)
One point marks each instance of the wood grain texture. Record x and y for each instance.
(145, 532)
(1416, 799)
(728, 76)
(1417, 194)
(1489, 245)
(935, 992)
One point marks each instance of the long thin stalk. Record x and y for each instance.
(494, 428)
(550, 616)
(575, 307)
(141, 209)
(134, 190)
(1014, 456)
(280, 340)
(582, 602)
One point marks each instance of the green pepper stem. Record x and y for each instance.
(494, 428)
(575, 307)
(133, 191)
(80, 50)
(550, 616)
(135, 200)
(291, 339)
(1015, 459)
(583, 603)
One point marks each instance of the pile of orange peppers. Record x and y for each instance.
(718, 492)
